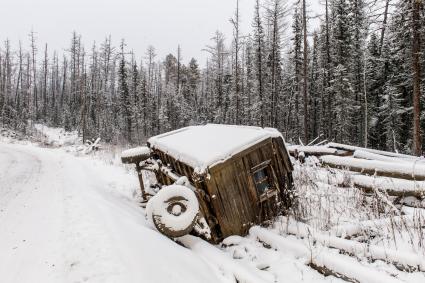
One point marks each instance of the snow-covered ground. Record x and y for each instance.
(67, 219)
(56, 136)
(72, 217)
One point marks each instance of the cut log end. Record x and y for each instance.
(135, 155)
(134, 159)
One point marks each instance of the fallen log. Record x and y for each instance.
(329, 272)
(349, 230)
(411, 203)
(375, 151)
(349, 268)
(362, 154)
(405, 260)
(392, 186)
(409, 171)
(226, 264)
(316, 150)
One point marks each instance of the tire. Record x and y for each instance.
(173, 210)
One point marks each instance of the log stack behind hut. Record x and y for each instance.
(399, 175)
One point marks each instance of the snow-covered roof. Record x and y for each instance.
(204, 146)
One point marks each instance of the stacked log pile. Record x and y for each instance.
(397, 181)
(397, 174)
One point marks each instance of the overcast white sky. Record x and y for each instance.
(161, 23)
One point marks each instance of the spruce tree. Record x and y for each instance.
(125, 103)
(341, 86)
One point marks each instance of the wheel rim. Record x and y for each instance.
(174, 210)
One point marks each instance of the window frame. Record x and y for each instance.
(272, 190)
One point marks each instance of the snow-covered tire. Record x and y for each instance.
(173, 210)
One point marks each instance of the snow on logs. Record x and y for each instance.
(227, 265)
(372, 226)
(352, 149)
(398, 174)
(315, 150)
(326, 262)
(402, 259)
(392, 186)
(402, 170)
(363, 154)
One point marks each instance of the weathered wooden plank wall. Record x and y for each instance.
(236, 201)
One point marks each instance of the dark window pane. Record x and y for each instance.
(262, 187)
(260, 175)
(261, 180)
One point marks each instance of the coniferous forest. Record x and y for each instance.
(356, 78)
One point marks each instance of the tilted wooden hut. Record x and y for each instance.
(241, 175)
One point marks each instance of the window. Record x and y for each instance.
(261, 180)
(264, 180)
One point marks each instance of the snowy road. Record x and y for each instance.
(68, 219)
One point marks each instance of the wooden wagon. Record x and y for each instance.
(241, 176)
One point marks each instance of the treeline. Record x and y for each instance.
(356, 79)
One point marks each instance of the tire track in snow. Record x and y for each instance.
(14, 175)
(28, 235)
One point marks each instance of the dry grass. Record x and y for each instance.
(325, 199)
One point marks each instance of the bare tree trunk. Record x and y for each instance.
(64, 75)
(305, 82)
(235, 23)
(259, 61)
(28, 84)
(178, 71)
(384, 25)
(8, 78)
(416, 26)
(19, 82)
(54, 88)
(45, 83)
(83, 93)
(34, 73)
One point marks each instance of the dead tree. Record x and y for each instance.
(235, 22)
(384, 25)
(259, 42)
(45, 71)
(34, 72)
